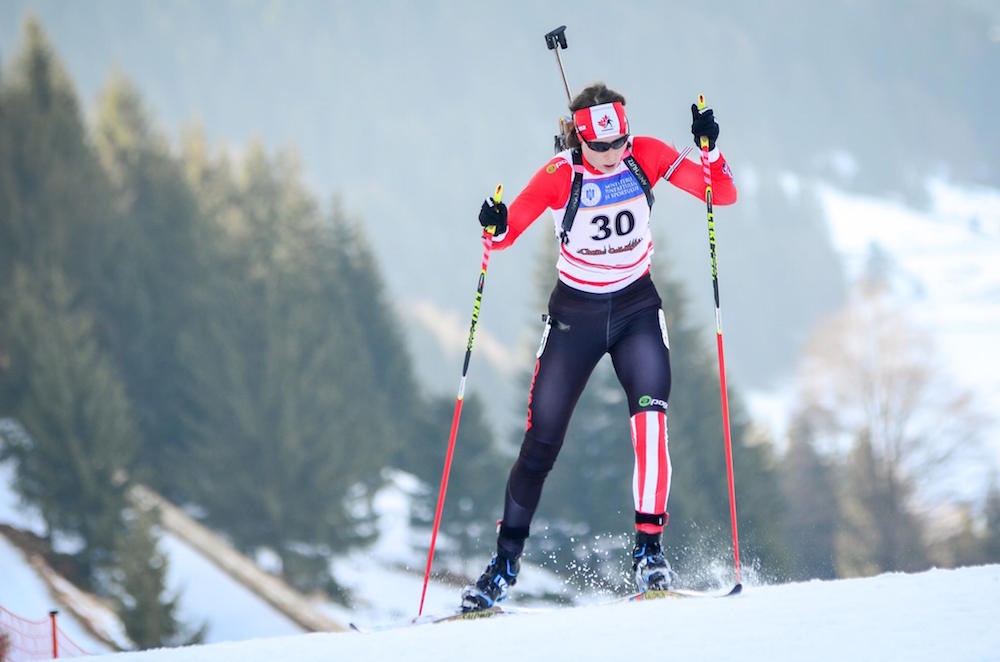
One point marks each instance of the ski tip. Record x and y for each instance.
(736, 590)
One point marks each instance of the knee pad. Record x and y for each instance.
(537, 457)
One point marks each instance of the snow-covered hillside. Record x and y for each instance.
(936, 615)
(943, 266)
(203, 589)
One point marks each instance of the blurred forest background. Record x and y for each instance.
(232, 267)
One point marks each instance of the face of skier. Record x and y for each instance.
(605, 161)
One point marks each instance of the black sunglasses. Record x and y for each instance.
(617, 143)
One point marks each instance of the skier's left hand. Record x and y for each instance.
(703, 124)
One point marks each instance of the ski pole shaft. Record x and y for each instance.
(487, 247)
(707, 171)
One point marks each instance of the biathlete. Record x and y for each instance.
(604, 302)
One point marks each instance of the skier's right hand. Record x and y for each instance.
(493, 214)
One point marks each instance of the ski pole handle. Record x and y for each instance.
(491, 230)
(703, 139)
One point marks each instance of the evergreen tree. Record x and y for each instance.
(880, 534)
(478, 473)
(150, 619)
(965, 544)
(812, 517)
(81, 436)
(868, 376)
(52, 193)
(991, 542)
(368, 303)
(294, 415)
(149, 293)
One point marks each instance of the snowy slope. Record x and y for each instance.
(23, 592)
(944, 269)
(946, 263)
(207, 595)
(936, 615)
(385, 580)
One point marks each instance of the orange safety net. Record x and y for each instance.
(25, 639)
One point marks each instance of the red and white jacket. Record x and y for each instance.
(610, 244)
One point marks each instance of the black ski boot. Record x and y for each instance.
(652, 572)
(492, 585)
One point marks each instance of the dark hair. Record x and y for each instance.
(592, 95)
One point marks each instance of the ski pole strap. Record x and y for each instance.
(646, 518)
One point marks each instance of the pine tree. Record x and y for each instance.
(150, 618)
(991, 542)
(80, 439)
(294, 415)
(869, 377)
(53, 198)
(478, 473)
(880, 534)
(812, 517)
(157, 250)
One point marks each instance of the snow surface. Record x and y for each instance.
(935, 615)
(208, 595)
(386, 579)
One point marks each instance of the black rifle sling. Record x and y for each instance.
(574, 196)
(637, 172)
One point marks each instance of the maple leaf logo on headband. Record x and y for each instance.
(605, 122)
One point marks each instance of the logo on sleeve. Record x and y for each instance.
(555, 165)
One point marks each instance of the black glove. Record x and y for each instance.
(703, 124)
(494, 214)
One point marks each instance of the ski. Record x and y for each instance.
(431, 619)
(685, 593)
(479, 614)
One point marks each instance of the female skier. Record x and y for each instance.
(599, 191)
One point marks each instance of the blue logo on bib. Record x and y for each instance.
(620, 188)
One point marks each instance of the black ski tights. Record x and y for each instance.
(581, 328)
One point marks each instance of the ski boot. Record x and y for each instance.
(652, 572)
(492, 585)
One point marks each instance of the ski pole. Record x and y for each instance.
(706, 169)
(487, 247)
